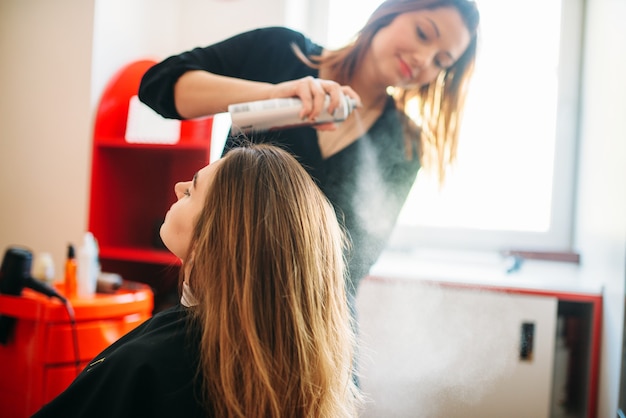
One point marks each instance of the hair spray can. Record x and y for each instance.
(277, 114)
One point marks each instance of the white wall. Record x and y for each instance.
(210, 21)
(128, 30)
(45, 122)
(125, 31)
(601, 226)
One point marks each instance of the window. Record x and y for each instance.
(512, 186)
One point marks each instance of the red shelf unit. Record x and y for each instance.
(132, 186)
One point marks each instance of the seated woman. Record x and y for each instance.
(263, 328)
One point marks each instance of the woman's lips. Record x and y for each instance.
(405, 69)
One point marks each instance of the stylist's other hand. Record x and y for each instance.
(313, 91)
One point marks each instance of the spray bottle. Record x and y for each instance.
(88, 266)
(277, 114)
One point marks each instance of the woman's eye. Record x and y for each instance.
(421, 34)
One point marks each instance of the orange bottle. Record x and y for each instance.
(70, 272)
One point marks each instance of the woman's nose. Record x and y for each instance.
(179, 189)
(423, 59)
(424, 63)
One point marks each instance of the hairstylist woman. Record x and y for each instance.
(424, 49)
(263, 329)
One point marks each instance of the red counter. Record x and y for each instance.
(39, 361)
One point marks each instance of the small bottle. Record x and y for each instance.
(70, 273)
(277, 114)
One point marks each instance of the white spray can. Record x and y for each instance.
(276, 114)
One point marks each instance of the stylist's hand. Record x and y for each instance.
(313, 92)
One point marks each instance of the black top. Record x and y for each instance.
(149, 372)
(367, 182)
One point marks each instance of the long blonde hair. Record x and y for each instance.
(440, 103)
(268, 275)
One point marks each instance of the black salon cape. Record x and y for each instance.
(149, 372)
(367, 182)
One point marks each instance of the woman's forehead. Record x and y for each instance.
(206, 174)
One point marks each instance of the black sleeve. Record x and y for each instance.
(258, 55)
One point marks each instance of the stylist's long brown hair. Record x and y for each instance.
(268, 274)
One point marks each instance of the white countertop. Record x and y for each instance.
(485, 269)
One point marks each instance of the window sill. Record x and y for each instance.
(488, 269)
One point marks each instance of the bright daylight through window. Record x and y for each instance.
(512, 186)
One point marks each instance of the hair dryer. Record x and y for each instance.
(14, 276)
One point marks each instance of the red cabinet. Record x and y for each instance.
(132, 186)
(39, 361)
